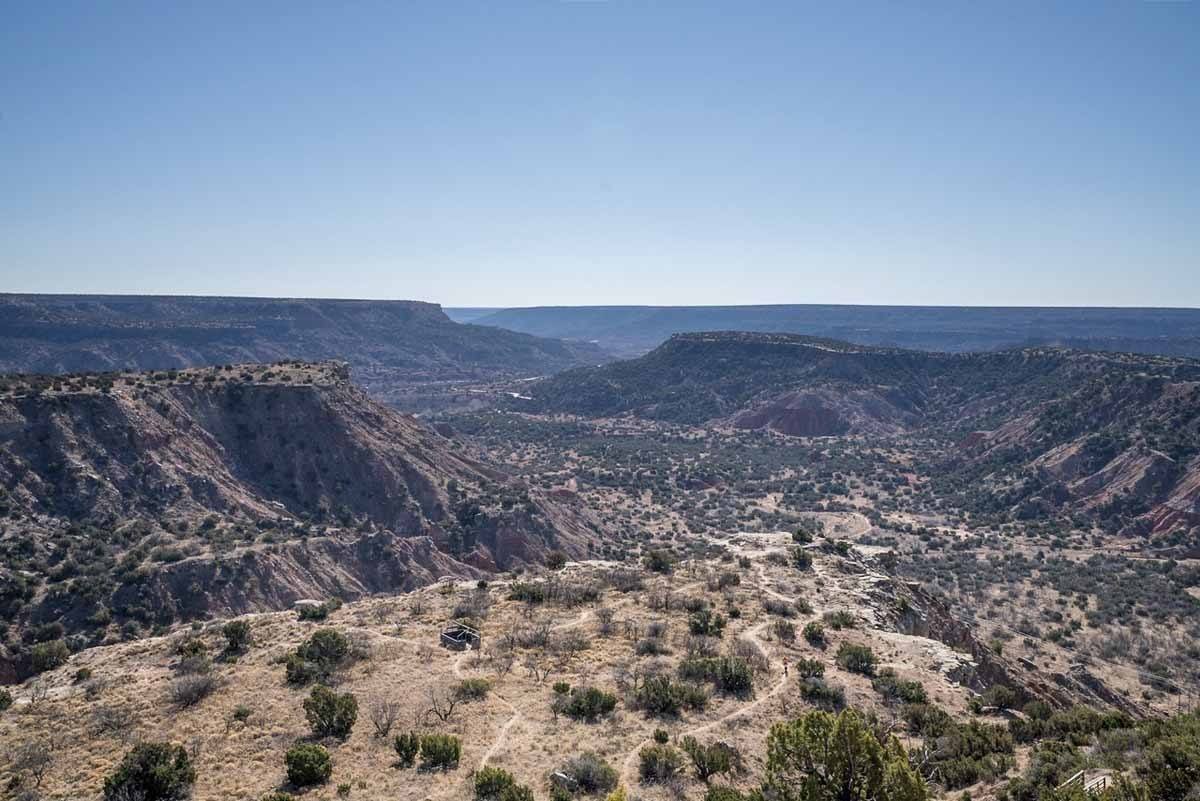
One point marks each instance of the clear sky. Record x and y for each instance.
(514, 154)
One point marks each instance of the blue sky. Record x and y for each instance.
(514, 154)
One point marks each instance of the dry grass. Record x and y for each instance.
(514, 727)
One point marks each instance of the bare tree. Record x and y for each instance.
(441, 703)
(116, 721)
(502, 660)
(604, 615)
(33, 758)
(540, 666)
(569, 644)
(383, 713)
(39, 691)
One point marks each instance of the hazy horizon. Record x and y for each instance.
(581, 154)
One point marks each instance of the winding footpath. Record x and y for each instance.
(628, 767)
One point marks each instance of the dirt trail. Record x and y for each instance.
(502, 735)
(628, 772)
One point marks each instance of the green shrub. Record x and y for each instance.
(822, 694)
(801, 558)
(894, 688)
(152, 772)
(659, 561)
(731, 674)
(317, 657)
(191, 646)
(407, 746)
(6, 699)
(814, 632)
(841, 619)
(440, 751)
(809, 668)
(720, 792)
(1000, 697)
(308, 764)
(237, 636)
(331, 714)
(843, 750)
(318, 611)
(494, 784)
(473, 689)
(927, 720)
(776, 606)
(661, 736)
(278, 796)
(658, 764)
(528, 592)
(589, 703)
(856, 658)
(658, 695)
(592, 774)
(711, 760)
(49, 655)
(706, 623)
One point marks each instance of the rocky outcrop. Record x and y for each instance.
(225, 491)
(827, 412)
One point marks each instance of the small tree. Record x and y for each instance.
(331, 714)
(441, 703)
(152, 772)
(33, 759)
(825, 757)
(308, 764)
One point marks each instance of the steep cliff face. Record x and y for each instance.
(153, 497)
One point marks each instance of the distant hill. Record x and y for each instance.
(633, 330)
(1033, 428)
(468, 314)
(388, 343)
(145, 498)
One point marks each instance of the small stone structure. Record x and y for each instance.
(459, 636)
